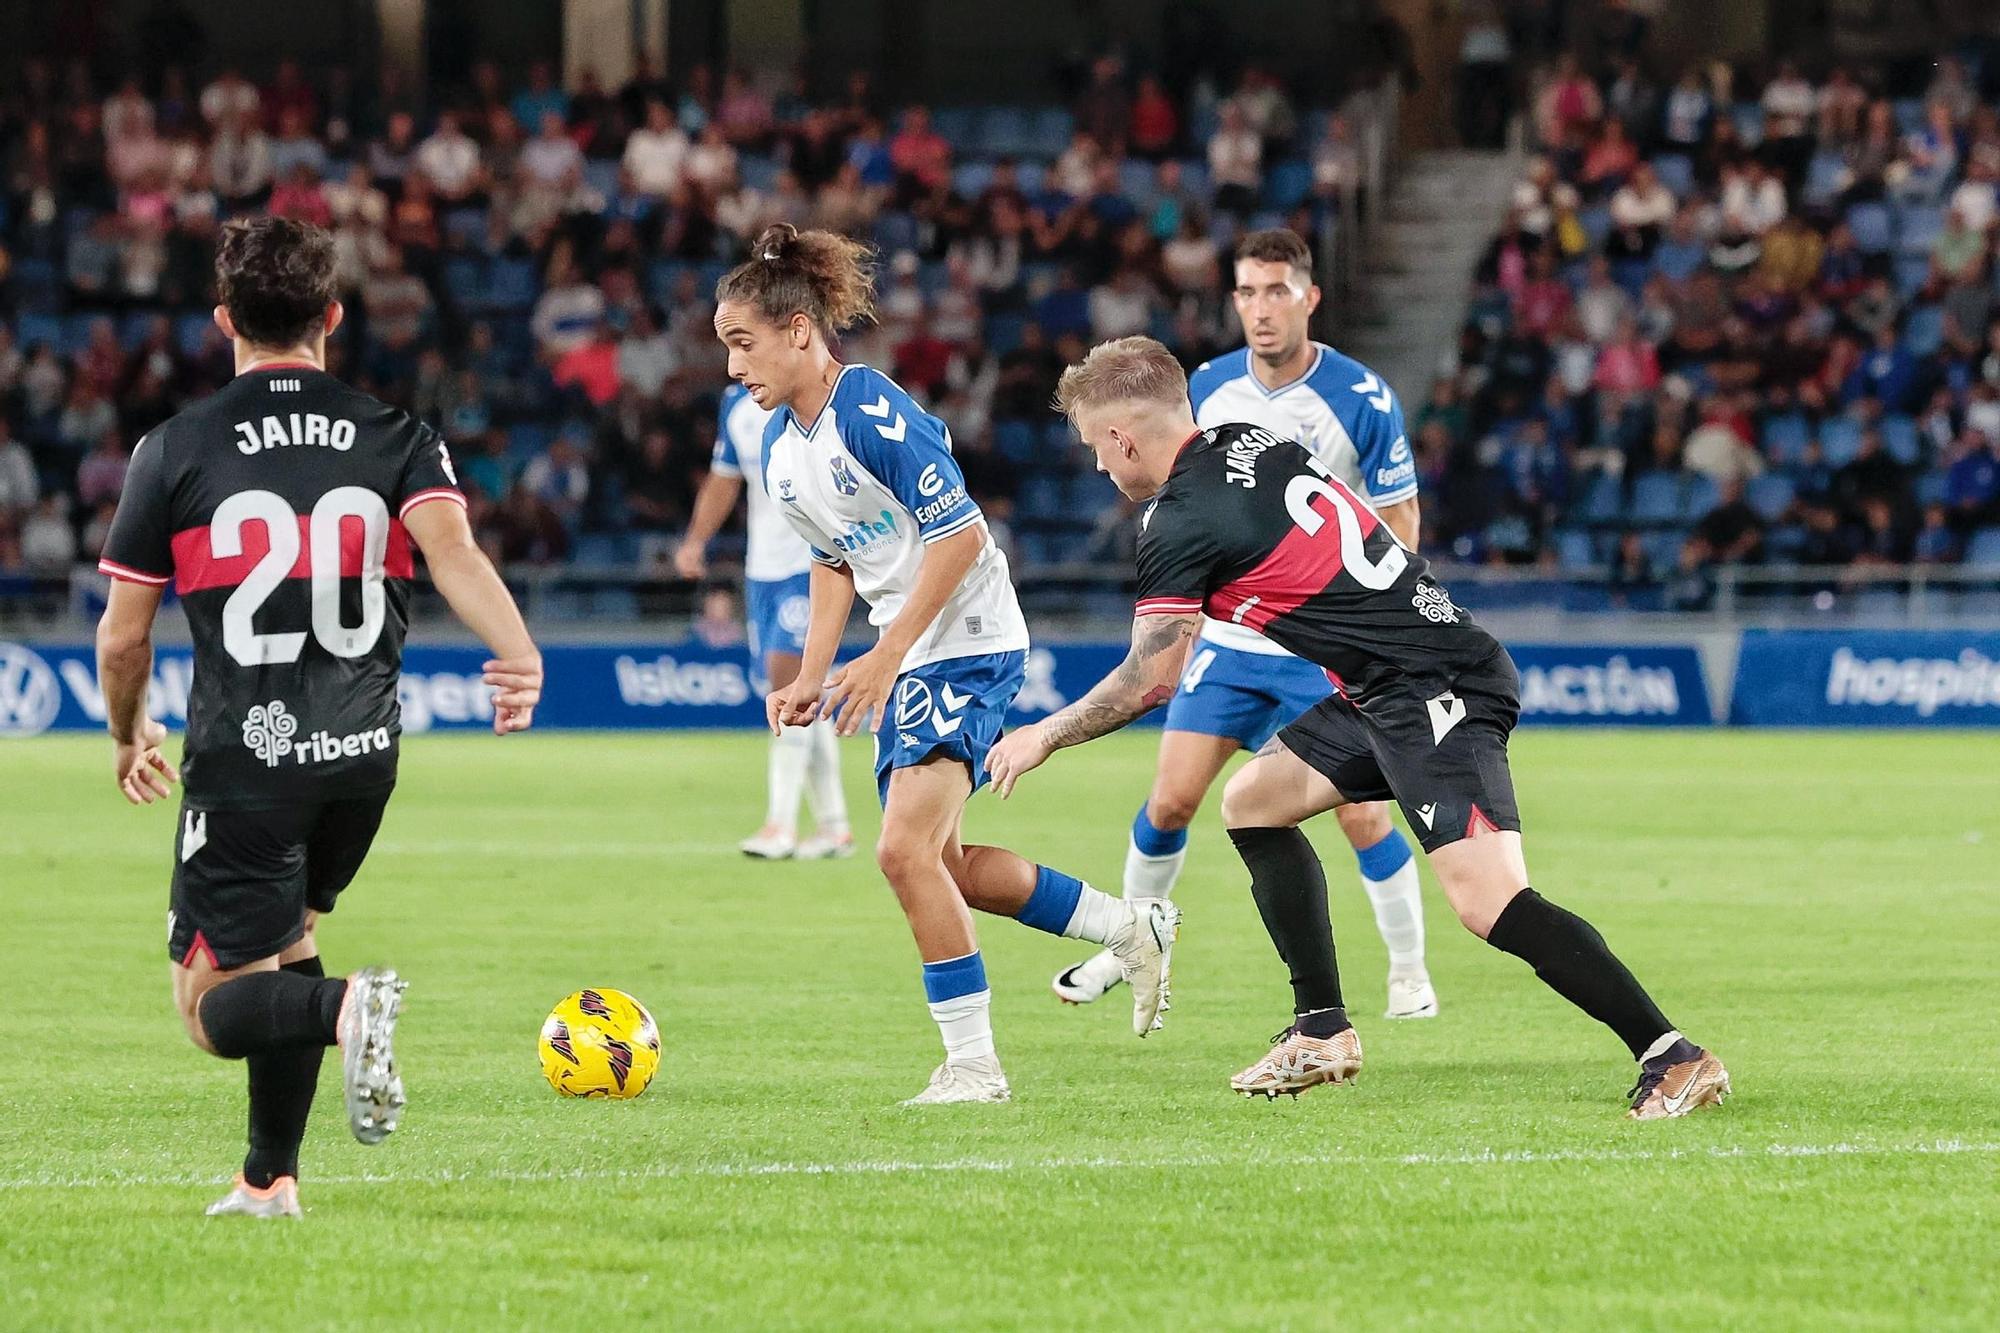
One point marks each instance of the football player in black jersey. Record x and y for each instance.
(1253, 529)
(284, 509)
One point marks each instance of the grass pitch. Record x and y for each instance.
(1824, 910)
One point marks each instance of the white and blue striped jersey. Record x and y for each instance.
(869, 484)
(1340, 410)
(772, 551)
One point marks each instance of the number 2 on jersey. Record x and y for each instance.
(281, 525)
(1372, 574)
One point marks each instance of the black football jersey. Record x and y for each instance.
(1252, 529)
(275, 507)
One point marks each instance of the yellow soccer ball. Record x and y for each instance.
(600, 1043)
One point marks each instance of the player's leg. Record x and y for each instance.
(1389, 877)
(1262, 807)
(832, 835)
(1471, 831)
(1188, 764)
(919, 813)
(775, 654)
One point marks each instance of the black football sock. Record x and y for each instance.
(282, 1083)
(1573, 960)
(1289, 885)
(265, 1010)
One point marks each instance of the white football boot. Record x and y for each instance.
(279, 1199)
(367, 1030)
(1411, 996)
(820, 847)
(1144, 947)
(1089, 980)
(769, 844)
(975, 1080)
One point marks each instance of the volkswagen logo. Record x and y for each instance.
(30, 695)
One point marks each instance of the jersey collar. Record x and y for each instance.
(807, 430)
(263, 366)
(1319, 354)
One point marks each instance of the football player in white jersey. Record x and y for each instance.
(866, 477)
(1239, 687)
(803, 760)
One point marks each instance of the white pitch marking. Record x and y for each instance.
(989, 1166)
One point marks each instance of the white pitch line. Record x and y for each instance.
(973, 1165)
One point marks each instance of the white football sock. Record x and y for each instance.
(966, 1024)
(1399, 915)
(791, 751)
(823, 790)
(1098, 917)
(1151, 876)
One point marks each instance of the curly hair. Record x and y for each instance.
(275, 276)
(825, 277)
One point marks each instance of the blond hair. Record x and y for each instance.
(1137, 369)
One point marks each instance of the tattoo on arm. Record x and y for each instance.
(1139, 684)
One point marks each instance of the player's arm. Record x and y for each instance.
(481, 601)
(124, 666)
(1136, 686)
(830, 588)
(1404, 519)
(713, 501)
(859, 691)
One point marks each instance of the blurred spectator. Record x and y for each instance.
(1236, 162)
(47, 542)
(656, 153)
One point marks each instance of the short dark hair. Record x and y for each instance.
(275, 277)
(1278, 245)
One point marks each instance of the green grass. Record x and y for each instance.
(1821, 909)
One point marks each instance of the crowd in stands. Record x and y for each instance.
(530, 267)
(1732, 317)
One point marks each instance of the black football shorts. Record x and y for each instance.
(1437, 748)
(244, 879)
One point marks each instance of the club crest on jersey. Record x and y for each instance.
(844, 479)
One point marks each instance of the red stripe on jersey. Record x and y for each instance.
(434, 493)
(1168, 606)
(196, 566)
(1297, 568)
(130, 575)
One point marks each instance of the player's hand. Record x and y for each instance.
(143, 773)
(857, 695)
(516, 683)
(691, 561)
(1012, 755)
(796, 705)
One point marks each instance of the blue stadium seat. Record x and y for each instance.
(1031, 176)
(191, 331)
(34, 286)
(1050, 131)
(1918, 227)
(970, 179)
(1770, 495)
(1923, 332)
(1003, 332)
(956, 124)
(76, 332)
(1839, 440)
(1015, 441)
(1899, 437)
(662, 276)
(1700, 495)
(601, 176)
(1007, 131)
(1909, 114)
(1912, 272)
(1749, 118)
(511, 285)
(1041, 496)
(528, 438)
(465, 280)
(465, 228)
(1601, 502)
(1288, 182)
(1931, 488)
(757, 171)
(1656, 498)
(1825, 175)
(1785, 437)
(1195, 178)
(895, 231)
(1089, 494)
(595, 548)
(33, 330)
(1676, 172)
(1136, 182)
(1983, 551)
(1058, 438)
(1574, 549)
(1596, 225)
(1663, 547)
(1874, 231)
